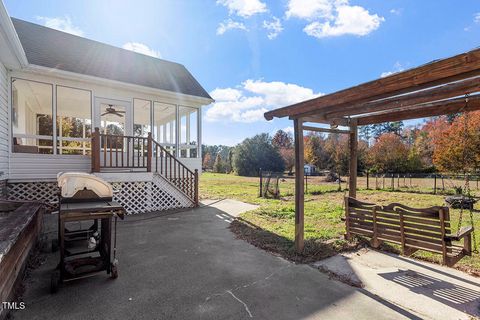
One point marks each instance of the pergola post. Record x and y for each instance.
(352, 187)
(299, 187)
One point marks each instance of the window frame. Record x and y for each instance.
(84, 139)
(33, 136)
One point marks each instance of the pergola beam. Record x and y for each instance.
(438, 93)
(437, 108)
(436, 73)
(324, 130)
(338, 121)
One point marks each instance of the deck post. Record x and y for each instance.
(149, 152)
(96, 150)
(299, 191)
(352, 188)
(196, 188)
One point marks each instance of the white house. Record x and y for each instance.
(310, 170)
(56, 88)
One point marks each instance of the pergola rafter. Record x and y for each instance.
(433, 89)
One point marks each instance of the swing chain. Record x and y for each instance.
(466, 187)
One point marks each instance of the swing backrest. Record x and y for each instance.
(416, 228)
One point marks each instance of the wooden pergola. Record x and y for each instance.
(437, 88)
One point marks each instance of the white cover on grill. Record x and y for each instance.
(71, 182)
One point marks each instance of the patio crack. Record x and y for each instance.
(230, 291)
(244, 304)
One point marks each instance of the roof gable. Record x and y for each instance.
(59, 50)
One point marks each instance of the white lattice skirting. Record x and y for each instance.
(135, 196)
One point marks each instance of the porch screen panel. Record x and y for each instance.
(74, 121)
(188, 132)
(165, 125)
(32, 123)
(141, 117)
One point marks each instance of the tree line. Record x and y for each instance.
(440, 144)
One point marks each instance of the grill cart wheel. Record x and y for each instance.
(114, 270)
(55, 281)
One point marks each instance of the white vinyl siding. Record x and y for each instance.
(4, 123)
(32, 167)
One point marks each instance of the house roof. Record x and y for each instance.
(55, 49)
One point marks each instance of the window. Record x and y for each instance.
(188, 132)
(141, 116)
(74, 121)
(164, 125)
(112, 119)
(32, 116)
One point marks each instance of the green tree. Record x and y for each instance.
(218, 165)
(255, 153)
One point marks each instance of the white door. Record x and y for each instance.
(113, 116)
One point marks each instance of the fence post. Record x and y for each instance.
(393, 181)
(435, 183)
(383, 182)
(376, 181)
(398, 180)
(306, 183)
(368, 187)
(261, 183)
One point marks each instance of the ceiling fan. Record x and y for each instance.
(111, 110)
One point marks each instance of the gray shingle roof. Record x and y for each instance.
(55, 49)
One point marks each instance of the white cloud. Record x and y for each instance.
(141, 48)
(62, 24)
(244, 8)
(274, 27)
(229, 25)
(397, 67)
(352, 20)
(310, 9)
(226, 94)
(289, 130)
(396, 11)
(333, 18)
(476, 17)
(248, 102)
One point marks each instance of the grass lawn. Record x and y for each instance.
(323, 211)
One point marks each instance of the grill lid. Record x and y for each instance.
(72, 182)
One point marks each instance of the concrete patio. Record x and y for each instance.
(188, 265)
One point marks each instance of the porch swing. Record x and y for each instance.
(416, 229)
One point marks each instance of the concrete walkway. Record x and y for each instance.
(433, 291)
(188, 265)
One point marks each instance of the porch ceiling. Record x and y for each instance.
(433, 89)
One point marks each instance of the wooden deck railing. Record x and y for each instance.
(142, 154)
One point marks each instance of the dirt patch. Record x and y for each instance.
(314, 250)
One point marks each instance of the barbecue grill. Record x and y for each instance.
(85, 251)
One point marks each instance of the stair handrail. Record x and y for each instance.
(179, 174)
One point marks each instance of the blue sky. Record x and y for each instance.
(256, 55)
